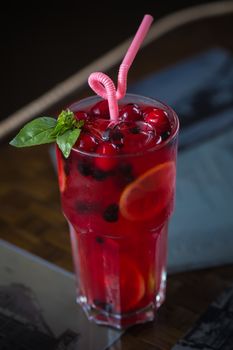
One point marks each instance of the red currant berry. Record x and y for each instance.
(130, 112)
(100, 110)
(97, 128)
(157, 118)
(80, 115)
(106, 161)
(87, 143)
(136, 135)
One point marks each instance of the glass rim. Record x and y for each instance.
(171, 137)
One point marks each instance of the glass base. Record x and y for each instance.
(121, 321)
(118, 321)
(125, 320)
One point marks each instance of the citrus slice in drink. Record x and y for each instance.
(150, 194)
(120, 287)
(124, 285)
(61, 174)
(132, 286)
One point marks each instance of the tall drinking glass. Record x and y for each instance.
(118, 222)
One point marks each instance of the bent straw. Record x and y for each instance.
(104, 86)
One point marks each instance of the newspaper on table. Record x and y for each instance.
(38, 308)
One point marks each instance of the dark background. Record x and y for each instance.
(44, 45)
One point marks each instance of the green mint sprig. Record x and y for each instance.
(65, 131)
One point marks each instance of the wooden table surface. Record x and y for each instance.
(31, 218)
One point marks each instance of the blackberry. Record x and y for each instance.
(117, 135)
(114, 136)
(105, 306)
(135, 130)
(84, 167)
(99, 174)
(99, 239)
(165, 135)
(111, 213)
(117, 138)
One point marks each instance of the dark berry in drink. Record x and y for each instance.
(84, 167)
(99, 175)
(111, 213)
(165, 135)
(99, 240)
(114, 136)
(103, 305)
(135, 130)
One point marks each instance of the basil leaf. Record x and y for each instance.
(36, 132)
(66, 121)
(79, 123)
(66, 117)
(67, 140)
(60, 129)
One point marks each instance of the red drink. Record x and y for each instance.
(117, 191)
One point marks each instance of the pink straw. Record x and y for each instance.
(104, 86)
(130, 55)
